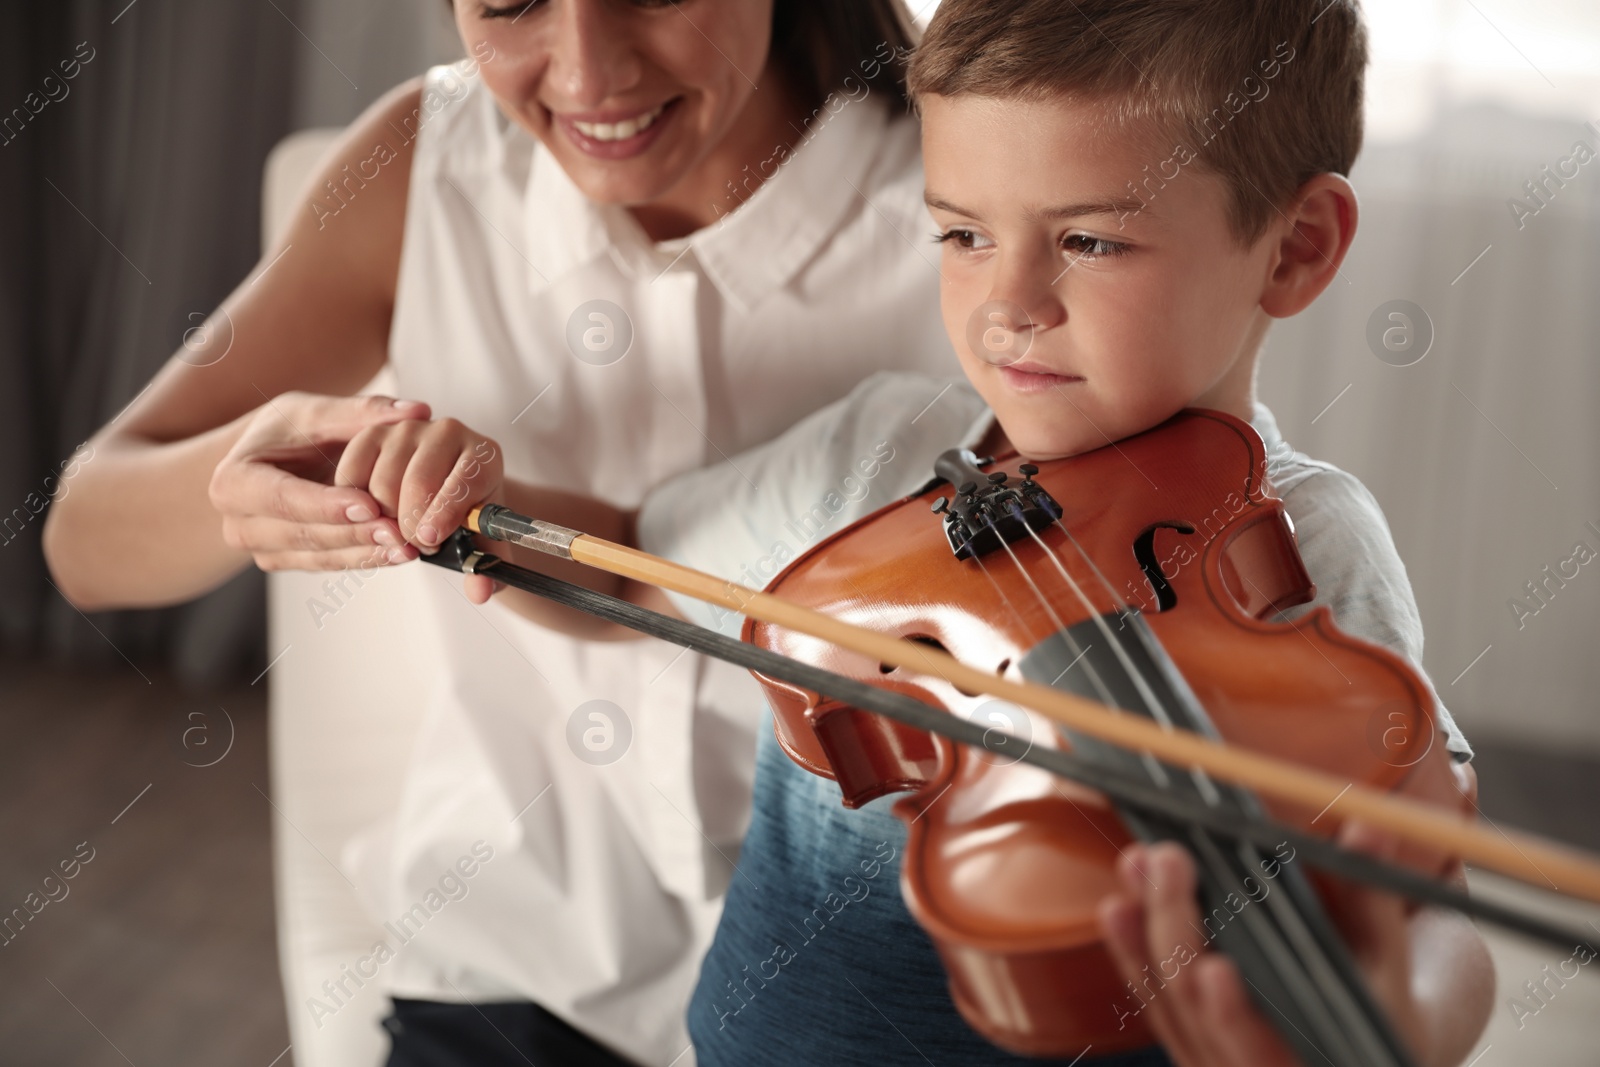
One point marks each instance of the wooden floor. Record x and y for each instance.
(162, 951)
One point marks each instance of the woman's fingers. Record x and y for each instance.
(245, 488)
(364, 559)
(260, 535)
(323, 419)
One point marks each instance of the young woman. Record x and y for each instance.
(619, 241)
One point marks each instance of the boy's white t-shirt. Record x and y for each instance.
(745, 519)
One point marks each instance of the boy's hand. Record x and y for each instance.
(1204, 1016)
(427, 475)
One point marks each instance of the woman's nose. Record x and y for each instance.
(593, 57)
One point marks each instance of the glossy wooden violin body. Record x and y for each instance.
(1005, 864)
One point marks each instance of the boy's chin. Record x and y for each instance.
(1038, 441)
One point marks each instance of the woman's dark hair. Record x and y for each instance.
(820, 43)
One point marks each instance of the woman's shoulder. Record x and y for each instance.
(453, 116)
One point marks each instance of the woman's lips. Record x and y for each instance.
(647, 125)
(1029, 377)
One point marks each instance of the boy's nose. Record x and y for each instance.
(1032, 292)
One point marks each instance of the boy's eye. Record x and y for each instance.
(1083, 246)
(964, 239)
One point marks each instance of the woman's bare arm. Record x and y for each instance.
(136, 526)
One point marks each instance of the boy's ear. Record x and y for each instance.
(1322, 223)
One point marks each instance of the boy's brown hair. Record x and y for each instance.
(1265, 93)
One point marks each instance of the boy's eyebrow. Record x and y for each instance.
(1115, 205)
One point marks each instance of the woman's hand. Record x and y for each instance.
(279, 497)
(426, 476)
(1203, 1015)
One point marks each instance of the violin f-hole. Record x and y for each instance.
(1144, 550)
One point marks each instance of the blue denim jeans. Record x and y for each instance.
(816, 959)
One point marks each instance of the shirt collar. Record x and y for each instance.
(750, 251)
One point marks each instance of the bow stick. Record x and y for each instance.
(1519, 855)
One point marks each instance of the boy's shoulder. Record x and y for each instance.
(1349, 551)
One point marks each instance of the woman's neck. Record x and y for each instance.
(763, 134)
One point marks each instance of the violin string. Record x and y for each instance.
(1152, 767)
(1157, 708)
(1307, 981)
(1005, 598)
(1061, 627)
(1094, 677)
(1298, 958)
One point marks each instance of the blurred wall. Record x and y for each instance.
(356, 50)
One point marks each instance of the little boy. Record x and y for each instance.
(1127, 193)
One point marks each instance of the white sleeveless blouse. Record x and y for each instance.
(613, 826)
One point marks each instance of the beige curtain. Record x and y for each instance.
(1485, 454)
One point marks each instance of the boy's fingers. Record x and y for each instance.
(1172, 919)
(456, 498)
(359, 457)
(480, 587)
(1372, 920)
(1239, 1034)
(1123, 919)
(433, 473)
(387, 481)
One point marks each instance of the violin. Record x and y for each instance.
(1120, 604)
(1145, 577)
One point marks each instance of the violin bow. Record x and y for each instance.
(1516, 854)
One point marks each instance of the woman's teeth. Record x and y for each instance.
(619, 131)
